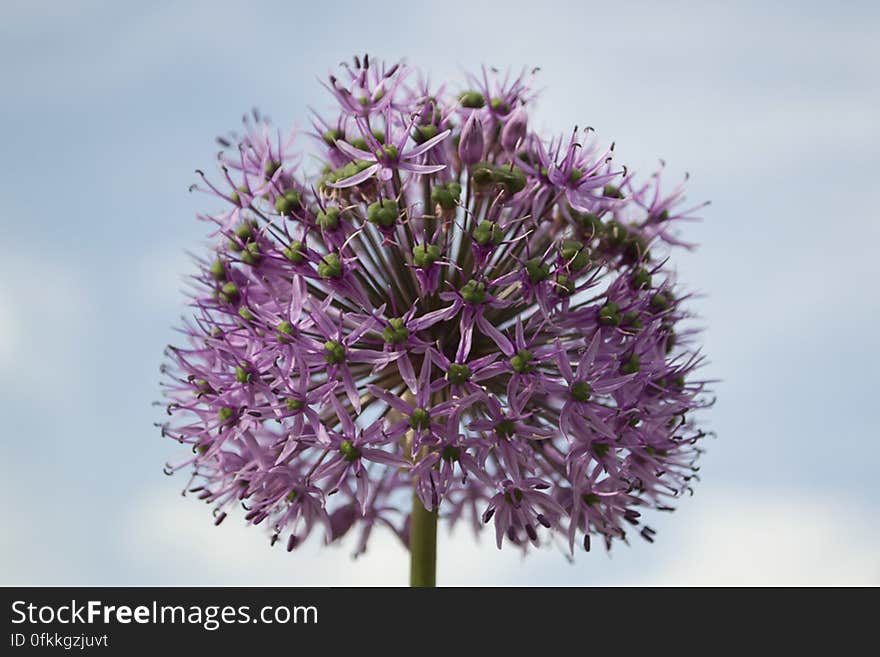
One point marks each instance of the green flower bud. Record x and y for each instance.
(609, 314)
(229, 292)
(659, 302)
(218, 270)
(288, 202)
(601, 449)
(641, 278)
(389, 152)
(521, 362)
(565, 286)
(450, 453)
(251, 254)
(202, 386)
(396, 332)
(512, 178)
(246, 314)
(575, 175)
(581, 391)
(446, 196)
(425, 255)
(423, 133)
(635, 249)
(330, 266)
(292, 404)
(285, 328)
(616, 234)
(632, 319)
(334, 352)
(346, 171)
(575, 255)
(473, 292)
(245, 231)
(536, 270)
(272, 167)
(383, 213)
(458, 374)
(294, 253)
(486, 232)
(482, 174)
(224, 414)
(590, 223)
(472, 100)
(420, 419)
(242, 375)
(235, 196)
(590, 499)
(517, 495)
(332, 136)
(631, 366)
(505, 429)
(610, 191)
(349, 451)
(499, 105)
(291, 496)
(329, 218)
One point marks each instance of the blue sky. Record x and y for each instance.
(109, 107)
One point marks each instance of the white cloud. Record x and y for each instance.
(729, 539)
(774, 538)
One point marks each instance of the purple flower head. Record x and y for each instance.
(504, 337)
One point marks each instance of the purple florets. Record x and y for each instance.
(454, 305)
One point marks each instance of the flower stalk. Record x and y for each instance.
(422, 545)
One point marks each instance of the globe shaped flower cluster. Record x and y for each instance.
(451, 304)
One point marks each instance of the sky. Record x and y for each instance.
(109, 107)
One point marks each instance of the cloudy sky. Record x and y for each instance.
(108, 107)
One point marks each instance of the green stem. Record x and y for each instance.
(422, 545)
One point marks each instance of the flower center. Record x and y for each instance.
(581, 391)
(334, 353)
(348, 450)
(420, 419)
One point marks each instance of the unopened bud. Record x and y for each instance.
(514, 130)
(470, 146)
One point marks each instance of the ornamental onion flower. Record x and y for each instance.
(455, 318)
